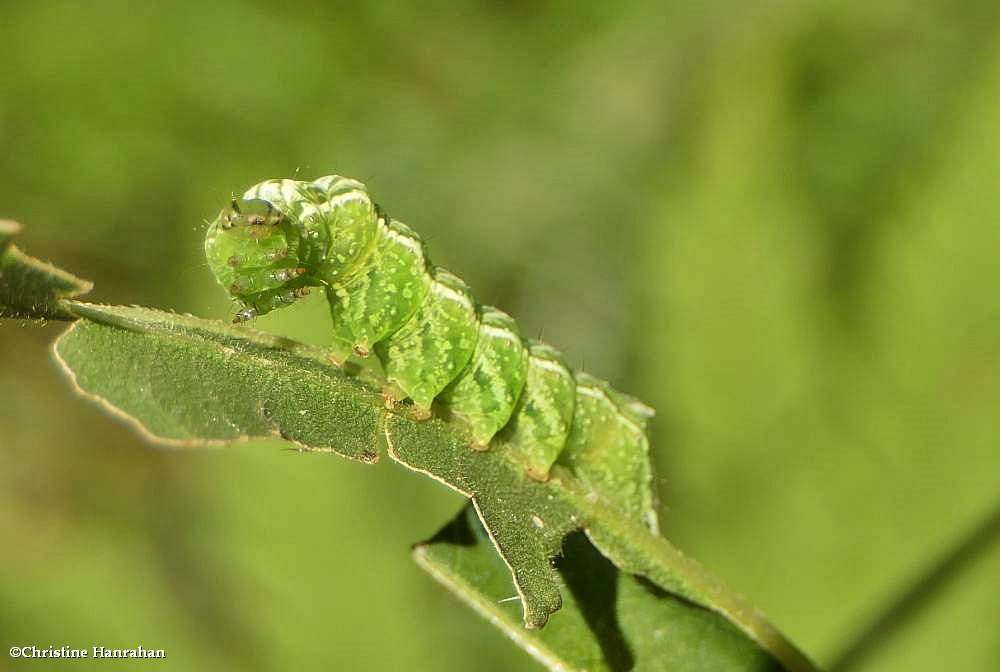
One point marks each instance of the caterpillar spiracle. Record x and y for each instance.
(436, 344)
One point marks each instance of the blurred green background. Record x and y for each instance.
(777, 224)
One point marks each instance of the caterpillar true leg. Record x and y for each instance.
(244, 315)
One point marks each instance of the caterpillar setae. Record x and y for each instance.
(437, 345)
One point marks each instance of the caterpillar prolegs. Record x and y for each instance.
(436, 344)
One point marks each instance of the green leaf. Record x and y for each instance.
(186, 381)
(30, 288)
(528, 520)
(610, 620)
(194, 381)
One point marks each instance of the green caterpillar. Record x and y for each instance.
(436, 344)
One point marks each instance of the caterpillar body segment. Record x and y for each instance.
(608, 448)
(437, 346)
(375, 302)
(486, 393)
(541, 423)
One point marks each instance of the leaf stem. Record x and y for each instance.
(915, 599)
(656, 558)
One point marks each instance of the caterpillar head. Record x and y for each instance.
(252, 248)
